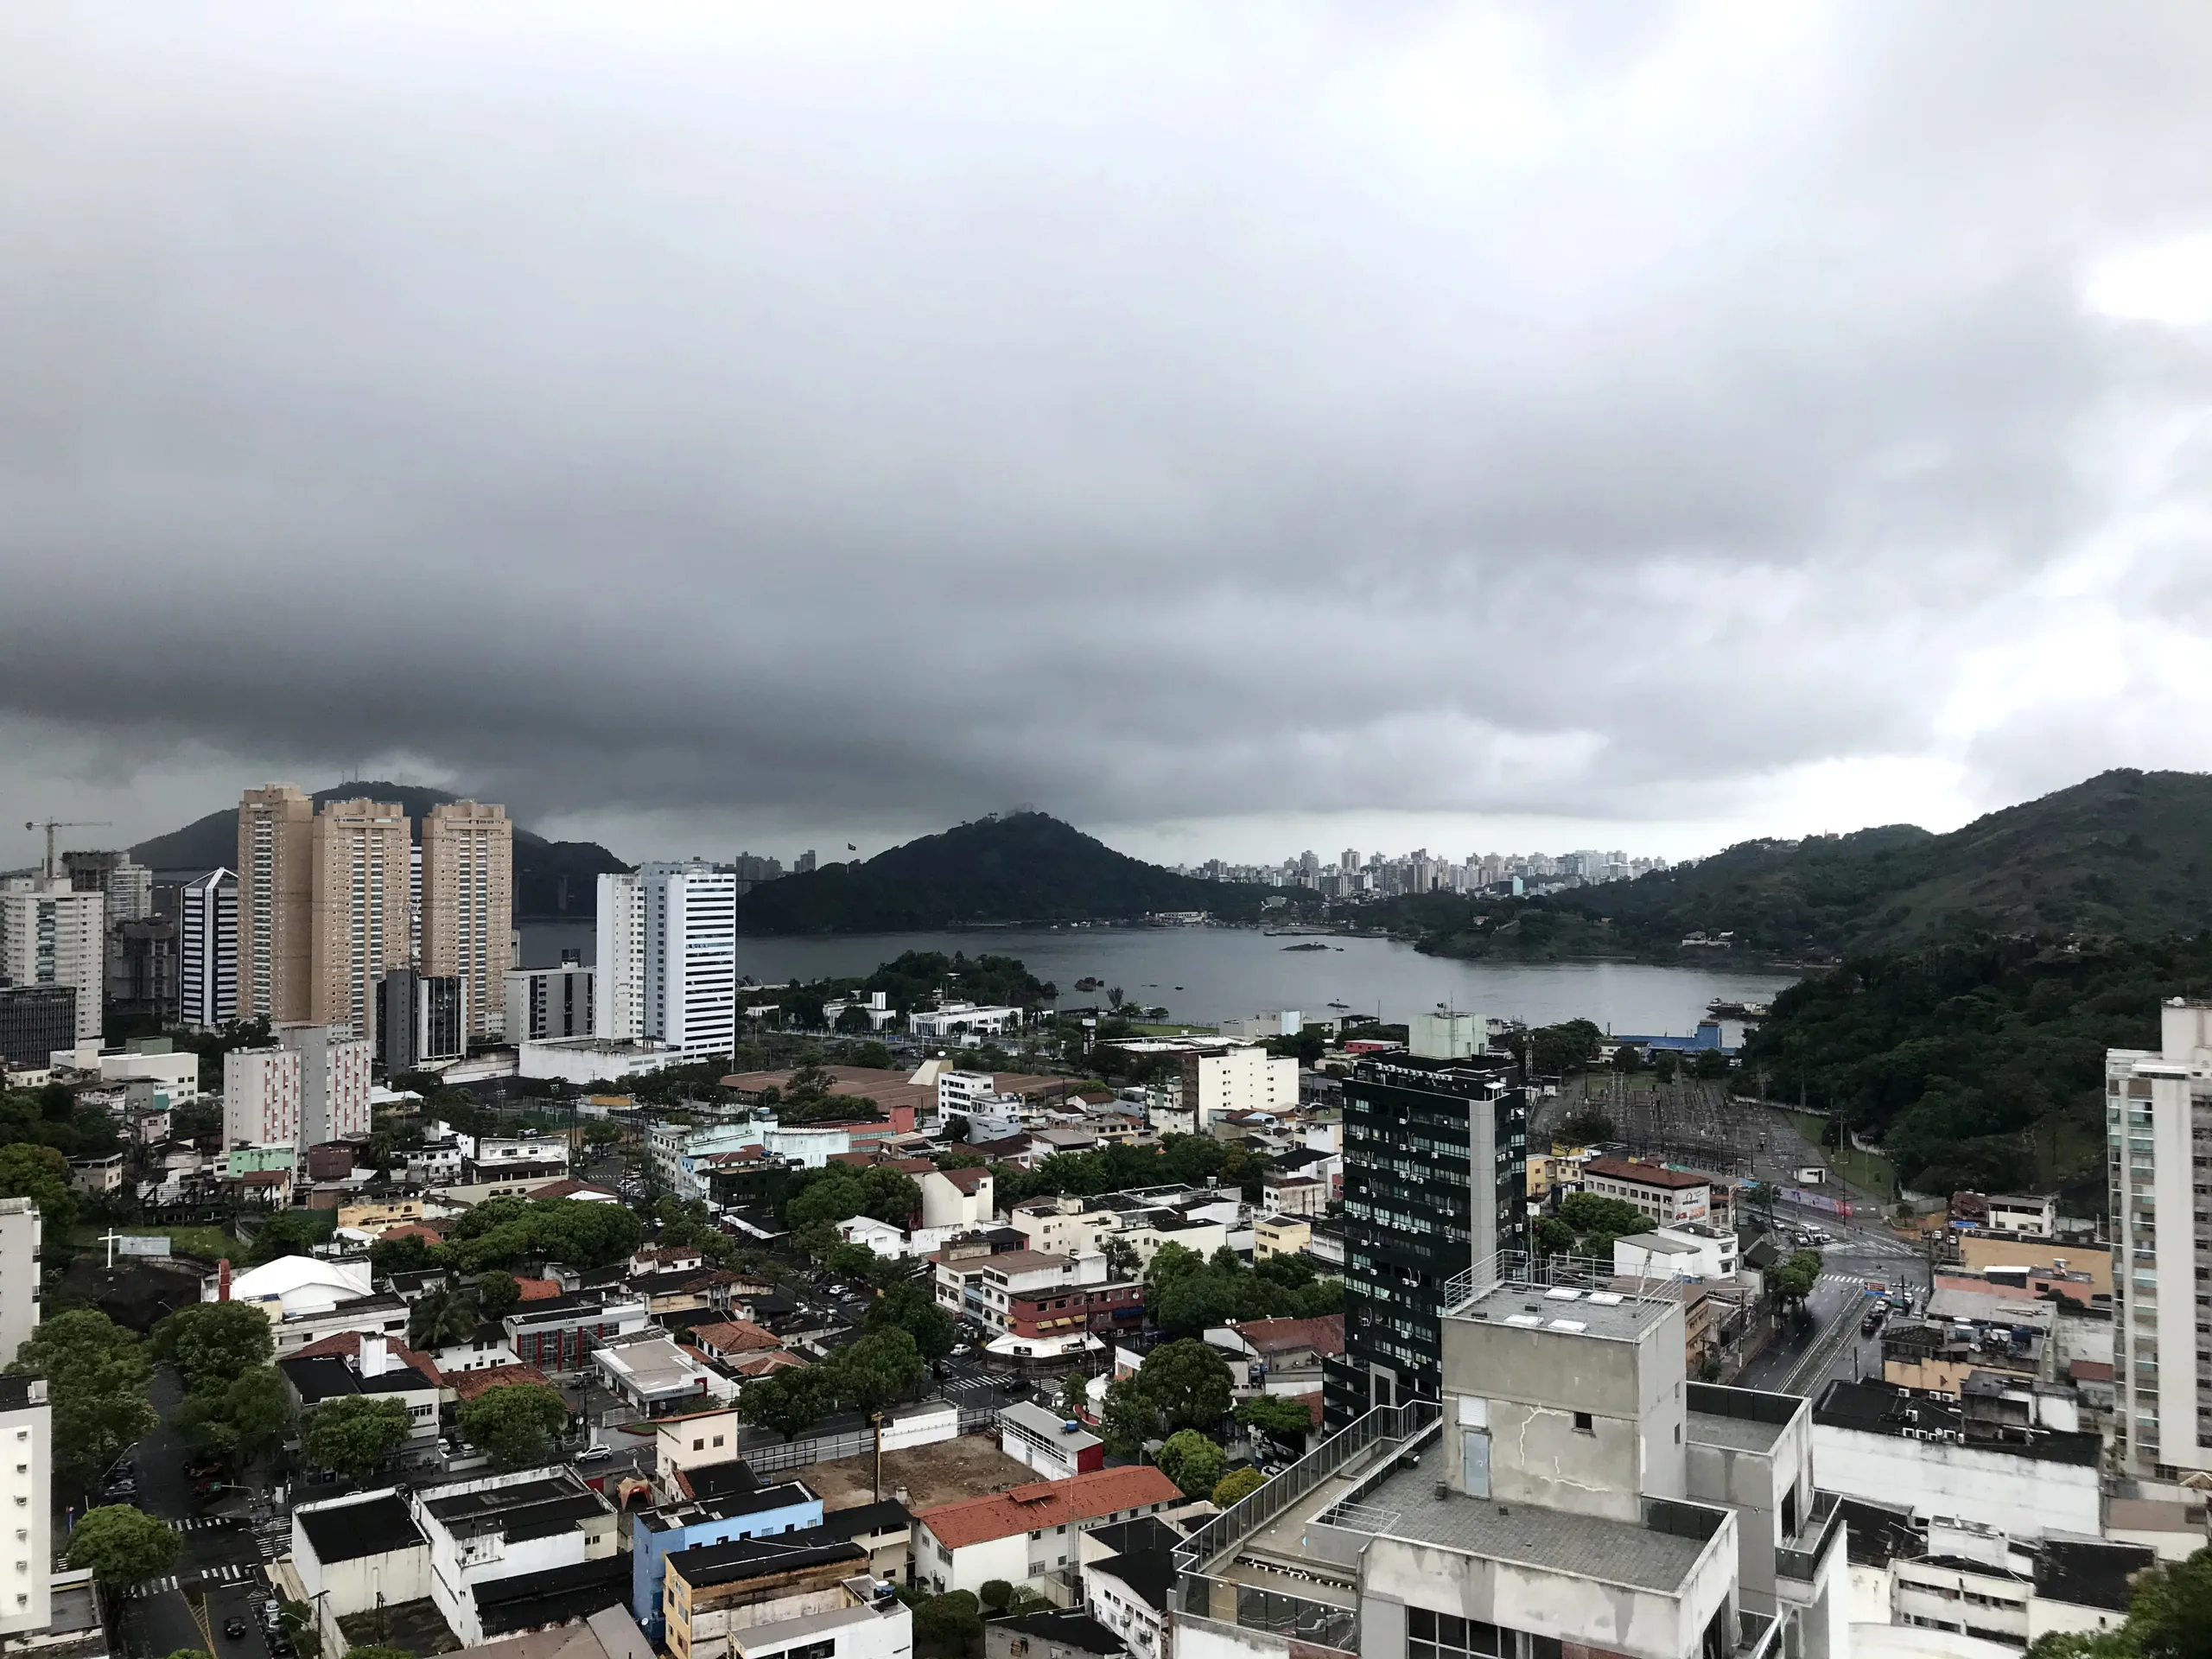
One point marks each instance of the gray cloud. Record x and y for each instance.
(871, 417)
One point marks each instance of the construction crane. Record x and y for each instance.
(53, 824)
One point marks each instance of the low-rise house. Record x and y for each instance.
(359, 1552)
(1665, 1195)
(956, 1198)
(1058, 1448)
(1148, 1229)
(733, 1339)
(655, 1375)
(884, 1529)
(1063, 1633)
(483, 1349)
(508, 1551)
(804, 1596)
(355, 1364)
(1128, 1576)
(1274, 1235)
(693, 1440)
(985, 1287)
(1063, 1225)
(1284, 1356)
(1028, 1533)
(1295, 1192)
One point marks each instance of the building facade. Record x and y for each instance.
(358, 912)
(420, 1020)
(545, 1004)
(52, 934)
(688, 997)
(20, 1234)
(261, 1097)
(334, 1089)
(1246, 1079)
(1435, 1164)
(469, 906)
(276, 895)
(36, 1021)
(618, 965)
(27, 1477)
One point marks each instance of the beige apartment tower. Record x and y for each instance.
(276, 868)
(358, 913)
(468, 904)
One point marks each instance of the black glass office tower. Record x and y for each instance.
(1436, 1172)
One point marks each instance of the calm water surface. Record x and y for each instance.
(1203, 975)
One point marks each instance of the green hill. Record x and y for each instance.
(1022, 868)
(2127, 855)
(552, 879)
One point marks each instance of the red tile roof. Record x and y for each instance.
(569, 1189)
(469, 1385)
(1047, 1504)
(1324, 1334)
(537, 1290)
(969, 1180)
(1313, 1404)
(762, 1364)
(348, 1344)
(1615, 1169)
(734, 1337)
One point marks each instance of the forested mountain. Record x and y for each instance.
(1025, 867)
(2126, 854)
(1976, 1065)
(552, 879)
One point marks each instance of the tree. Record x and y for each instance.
(1193, 1462)
(1121, 1259)
(291, 1232)
(599, 1136)
(441, 1317)
(877, 1370)
(353, 1433)
(210, 1343)
(97, 1378)
(40, 1175)
(1793, 1280)
(1188, 1384)
(245, 1418)
(497, 1294)
(995, 1593)
(410, 1253)
(787, 1401)
(1238, 1485)
(1275, 1414)
(514, 1426)
(1710, 1065)
(122, 1545)
(949, 1622)
(1127, 1418)
(1075, 1397)
(910, 1308)
(1586, 1126)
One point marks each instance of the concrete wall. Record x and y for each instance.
(2025, 1497)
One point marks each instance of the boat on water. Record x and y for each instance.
(1720, 1008)
(1340, 1005)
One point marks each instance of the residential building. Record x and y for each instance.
(1064, 1225)
(806, 1595)
(618, 971)
(358, 913)
(1665, 1195)
(2163, 1423)
(127, 887)
(547, 1004)
(260, 1097)
(22, 1233)
(1887, 1444)
(1568, 1492)
(141, 969)
(1127, 1580)
(1060, 1633)
(955, 1197)
(51, 934)
(334, 1087)
(1243, 1078)
(36, 1021)
(275, 900)
(992, 1290)
(1056, 1447)
(27, 1481)
(1284, 1355)
(467, 906)
(2028, 1216)
(648, 1369)
(1028, 1534)
(422, 1019)
(1691, 1249)
(753, 1512)
(1274, 1235)
(1295, 1192)
(559, 1332)
(207, 950)
(1435, 1171)
(504, 1538)
(353, 1363)
(694, 1440)
(359, 1552)
(1446, 1036)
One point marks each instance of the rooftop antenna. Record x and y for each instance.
(53, 824)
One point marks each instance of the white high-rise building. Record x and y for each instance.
(334, 1083)
(207, 950)
(19, 1246)
(688, 987)
(26, 1499)
(619, 969)
(260, 1097)
(2154, 1105)
(51, 934)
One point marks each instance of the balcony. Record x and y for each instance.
(1805, 1555)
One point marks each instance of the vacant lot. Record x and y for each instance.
(966, 1467)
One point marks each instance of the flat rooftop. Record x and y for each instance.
(1616, 1316)
(1740, 1419)
(1553, 1540)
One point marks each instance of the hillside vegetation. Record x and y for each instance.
(1975, 1065)
(2126, 854)
(1022, 868)
(551, 878)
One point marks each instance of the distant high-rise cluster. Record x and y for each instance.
(1386, 876)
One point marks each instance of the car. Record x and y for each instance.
(594, 1453)
(234, 1628)
(1871, 1323)
(1271, 1470)
(961, 1349)
(280, 1647)
(445, 1446)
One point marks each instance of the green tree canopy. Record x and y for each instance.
(211, 1343)
(497, 1294)
(291, 1232)
(1188, 1384)
(245, 1418)
(122, 1545)
(411, 1253)
(911, 1308)
(97, 1381)
(353, 1433)
(1793, 1280)
(1193, 1462)
(1286, 1419)
(40, 1175)
(1238, 1485)
(515, 1425)
(440, 1317)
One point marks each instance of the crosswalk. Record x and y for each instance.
(205, 1523)
(234, 1573)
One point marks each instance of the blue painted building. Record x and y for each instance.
(1707, 1036)
(756, 1512)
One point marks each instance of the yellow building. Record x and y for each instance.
(1281, 1235)
(376, 1214)
(1561, 1167)
(467, 887)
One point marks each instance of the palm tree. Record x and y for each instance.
(441, 1317)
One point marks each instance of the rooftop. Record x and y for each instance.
(2089, 1573)
(1047, 1504)
(540, 1507)
(755, 1558)
(530, 1600)
(1621, 1169)
(1740, 1419)
(750, 1501)
(347, 1532)
(1886, 1408)
(1613, 1315)
(1071, 1627)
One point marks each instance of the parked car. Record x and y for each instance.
(594, 1453)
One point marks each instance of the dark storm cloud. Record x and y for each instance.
(882, 416)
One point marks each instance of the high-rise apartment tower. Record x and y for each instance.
(467, 904)
(51, 934)
(668, 957)
(207, 950)
(276, 895)
(358, 910)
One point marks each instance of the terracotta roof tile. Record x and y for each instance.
(1047, 1504)
(734, 1337)
(1615, 1169)
(1324, 1334)
(537, 1290)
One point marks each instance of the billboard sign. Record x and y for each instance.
(157, 1244)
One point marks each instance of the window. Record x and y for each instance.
(1447, 1636)
(1584, 1424)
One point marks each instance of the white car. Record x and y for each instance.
(594, 1453)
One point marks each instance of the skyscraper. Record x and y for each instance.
(2154, 1104)
(51, 934)
(357, 910)
(276, 896)
(467, 904)
(261, 1097)
(129, 887)
(1436, 1182)
(688, 990)
(420, 1021)
(207, 950)
(618, 1011)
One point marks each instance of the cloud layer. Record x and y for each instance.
(710, 422)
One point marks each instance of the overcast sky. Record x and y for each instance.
(1232, 428)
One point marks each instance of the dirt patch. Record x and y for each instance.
(967, 1467)
(414, 1627)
